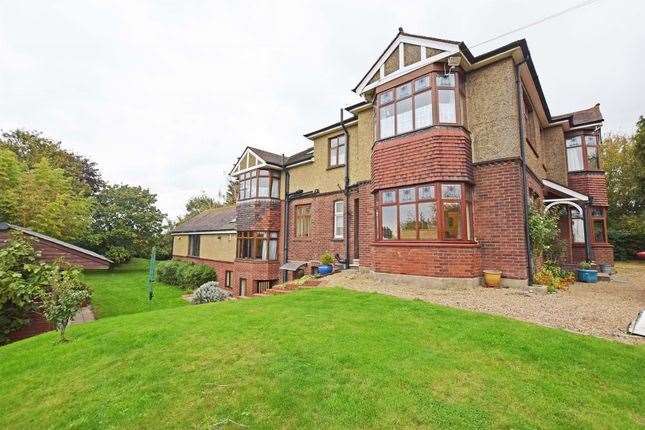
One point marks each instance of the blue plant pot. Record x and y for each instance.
(325, 270)
(588, 276)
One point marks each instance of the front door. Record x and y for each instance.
(242, 287)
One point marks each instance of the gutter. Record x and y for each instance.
(525, 199)
(346, 190)
(285, 250)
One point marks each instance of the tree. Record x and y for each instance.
(200, 203)
(232, 189)
(30, 147)
(127, 217)
(48, 202)
(10, 172)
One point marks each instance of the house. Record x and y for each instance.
(52, 249)
(432, 174)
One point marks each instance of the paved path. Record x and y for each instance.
(83, 315)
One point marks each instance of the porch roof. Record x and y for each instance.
(561, 189)
(292, 266)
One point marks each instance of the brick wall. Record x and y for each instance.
(440, 153)
(254, 271)
(258, 215)
(499, 217)
(593, 184)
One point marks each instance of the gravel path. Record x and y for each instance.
(603, 309)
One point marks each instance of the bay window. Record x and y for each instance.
(259, 183)
(438, 211)
(427, 100)
(582, 152)
(257, 245)
(339, 219)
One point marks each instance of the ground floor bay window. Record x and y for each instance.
(257, 245)
(429, 212)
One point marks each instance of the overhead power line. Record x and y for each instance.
(539, 21)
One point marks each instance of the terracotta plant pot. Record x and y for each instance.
(492, 278)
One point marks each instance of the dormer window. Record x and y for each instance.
(260, 183)
(427, 100)
(582, 152)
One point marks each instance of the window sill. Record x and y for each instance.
(396, 136)
(301, 239)
(338, 239)
(429, 244)
(335, 167)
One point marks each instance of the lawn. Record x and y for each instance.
(320, 358)
(123, 290)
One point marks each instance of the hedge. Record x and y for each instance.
(626, 244)
(185, 275)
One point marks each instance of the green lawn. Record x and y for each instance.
(321, 358)
(123, 290)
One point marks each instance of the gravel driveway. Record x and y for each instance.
(603, 309)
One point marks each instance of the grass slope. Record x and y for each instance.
(318, 359)
(123, 290)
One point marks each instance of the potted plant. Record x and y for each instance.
(326, 263)
(492, 278)
(586, 273)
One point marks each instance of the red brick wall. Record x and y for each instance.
(593, 184)
(440, 153)
(264, 214)
(438, 260)
(37, 324)
(50, 252)
(254, 271)
(499, 217)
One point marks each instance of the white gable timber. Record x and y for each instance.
(378, 67)
(247, 162)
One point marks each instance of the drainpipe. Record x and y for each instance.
(346, 190)
(525, 199)
(585, 218)
(285, 246)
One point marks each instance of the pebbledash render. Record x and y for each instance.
(432, 174)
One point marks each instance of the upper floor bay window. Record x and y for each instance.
(427, 100)
(582, 152)
(339, 219)
(439, 211)
(259, 183)
(337, 152)
(257, 245)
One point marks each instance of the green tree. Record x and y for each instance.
(126, 217)
(30, 147)
(232, 189)
(48, 202)
(10, 172)
(200, 203)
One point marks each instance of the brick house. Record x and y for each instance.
(432, 174)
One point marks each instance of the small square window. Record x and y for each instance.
(591, 140)
(451, 191)
(388, 196)
(446, 80)
(422, 83)
(597, 212)
(406, 195)
(404, 91)
(426, 192)
(386, 97)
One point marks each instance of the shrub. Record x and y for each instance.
(118, 255)
(326, 258)
(554, 277)
(626, 243)
(63, 295)
(184, 275)
(210, 292)
(586, 265)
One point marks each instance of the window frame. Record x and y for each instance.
(336, 214)
(228, 278)
(255, 237)
(249, 184)
(194, 241)
(336, 150)
(584, 152)
(304, 218)
(464, 200)
(598, 218)
(572, 218)
(433, 89)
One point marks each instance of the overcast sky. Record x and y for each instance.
(166, 94)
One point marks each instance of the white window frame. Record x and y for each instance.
(339, 219)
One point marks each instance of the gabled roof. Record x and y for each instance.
(212, 220)
(6, 226)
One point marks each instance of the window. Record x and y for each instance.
(410, 106)
(577, 227)
(303, 220)
(582, 152)
(259, 183)
(257, 245)
(228, 275)
(193, 245)
(599, 223)
(339, 219)
(426, 212)
(337, 151)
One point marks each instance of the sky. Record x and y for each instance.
(167, 94)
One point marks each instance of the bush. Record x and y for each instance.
(554, 277)
(626, 243)
(326, 258)
(184, 275)
(210, 292)
(118, 255)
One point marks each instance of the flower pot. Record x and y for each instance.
(605, 268)
(325, 269)
(587, 275)
(492, 278)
